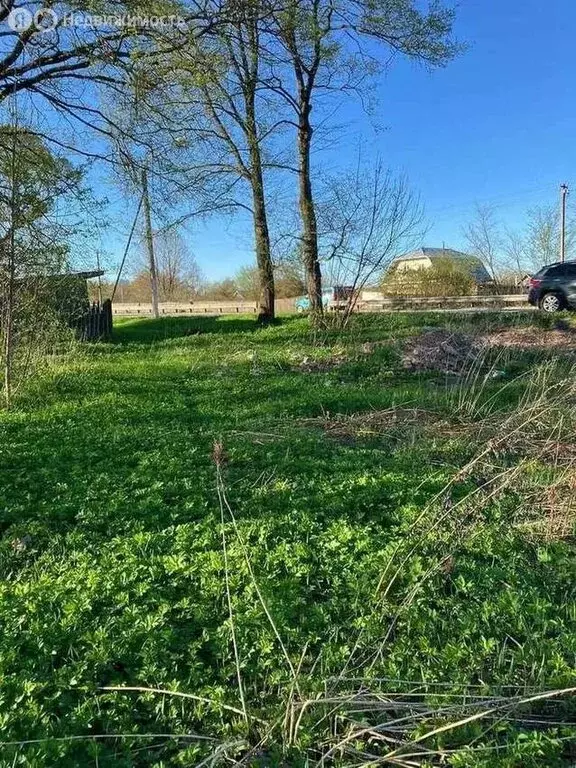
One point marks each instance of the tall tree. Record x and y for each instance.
(318, 47)
(229, 99)
(33, 245)
(208, 127)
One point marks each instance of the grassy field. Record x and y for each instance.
(324, 554)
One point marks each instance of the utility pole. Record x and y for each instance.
(563, 195)
(150, 244)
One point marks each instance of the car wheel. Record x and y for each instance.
(300, 310)
(551, 302)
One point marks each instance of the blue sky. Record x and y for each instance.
(497, 125)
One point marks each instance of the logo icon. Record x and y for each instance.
(45, 19)
(20, 19)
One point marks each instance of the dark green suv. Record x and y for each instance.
(553, 288)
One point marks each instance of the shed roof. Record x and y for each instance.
(83, 274)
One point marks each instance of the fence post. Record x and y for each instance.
(97, 322)
(107, 317)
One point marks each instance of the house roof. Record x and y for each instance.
(84, 274)
(433, 253)
(477, 268)
(81, 275)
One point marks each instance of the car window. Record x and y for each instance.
(558, 271)
(571, 270)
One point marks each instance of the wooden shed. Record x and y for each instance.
(66, 294)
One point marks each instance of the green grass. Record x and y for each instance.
(112, 560)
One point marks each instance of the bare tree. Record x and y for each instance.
(224, 289)
(521, 250)
(178, 272)
(367, 218)
(290, 278)
(485, 239)
(247, 281)
(542, 238)
(515, 252)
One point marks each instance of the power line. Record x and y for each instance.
(128, 245)
(513, 196)
(150, 244)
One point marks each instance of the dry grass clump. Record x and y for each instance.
(548, 449)
(454, 352)
(549, 512)
(405, 728)
(400, 426)
(558, 510)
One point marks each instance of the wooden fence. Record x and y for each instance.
(383, 304)
(398, 303)
(175, 308)
(96, 323)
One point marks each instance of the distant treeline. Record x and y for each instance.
(188, 285)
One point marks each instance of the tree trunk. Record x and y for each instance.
(8, 342)
(9, 289)
(266, 297)
(308, 215)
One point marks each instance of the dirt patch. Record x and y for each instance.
(440, 350)
(563, 338)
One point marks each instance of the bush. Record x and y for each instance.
(444, 278)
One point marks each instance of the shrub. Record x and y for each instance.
(444, 278)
